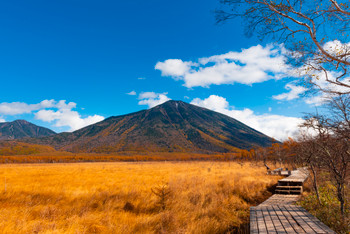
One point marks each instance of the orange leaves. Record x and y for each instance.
(18, 148)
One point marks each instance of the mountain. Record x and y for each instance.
(20, 129)
(174, 126)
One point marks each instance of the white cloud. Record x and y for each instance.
(316, 100)
(152, 99)
(141, 78)
(148, 95)
(277, 126)
(65, 106)
(253, 65)
(60, 113)
(46, 115)
(132, 93)
(294, 92)
(67, 117)
(337, 48)
(174, 67)
(2, 120)
(17, 108)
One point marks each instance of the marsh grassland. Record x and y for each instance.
(147, 197)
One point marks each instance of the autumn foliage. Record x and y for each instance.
(18, 148)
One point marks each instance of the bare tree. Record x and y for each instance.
(277, 151)
(261, 154)
(315, 32)
(333, 142)
(308, 153)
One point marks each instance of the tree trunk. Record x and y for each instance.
(315, 185)
(340, 194)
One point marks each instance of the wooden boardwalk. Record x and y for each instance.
(279, 214)
(284, 219)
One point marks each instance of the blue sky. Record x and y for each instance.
(108, 58)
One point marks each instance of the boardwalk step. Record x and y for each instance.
(290, 183)
(290, 188)
(288, 191)
(292, 192)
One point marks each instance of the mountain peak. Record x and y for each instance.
(174, 126)
(173, 103)
(176, 101)
(21, 121)
(21, 128)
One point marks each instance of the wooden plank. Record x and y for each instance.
(275, 220)
(284, 221)
(291, 220)
(295, 177)
(253, 222)
(298, 216)
(307, 219)
(298, 220)
(268, 221)
(280, 199)
(316, 222)
(322, 225)
(261, 221)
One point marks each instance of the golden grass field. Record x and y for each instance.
(122, 197)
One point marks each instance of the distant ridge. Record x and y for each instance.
(174, 126)
(20, 129)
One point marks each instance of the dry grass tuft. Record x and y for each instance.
(148, 197)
